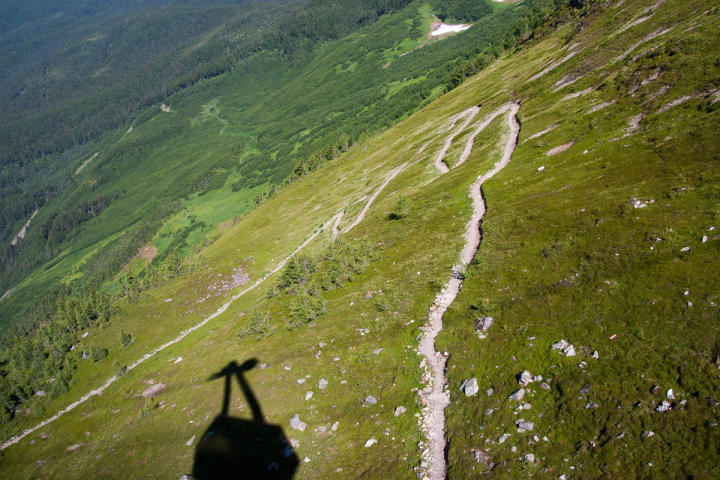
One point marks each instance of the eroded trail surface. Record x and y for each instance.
(434, 396)
(469, 114)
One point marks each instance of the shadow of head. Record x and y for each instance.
(238, 448)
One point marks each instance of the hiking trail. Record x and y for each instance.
(435, 397)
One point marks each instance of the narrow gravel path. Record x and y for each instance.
(98, 391)
(434, 396)
(373, 197)
(469, 114)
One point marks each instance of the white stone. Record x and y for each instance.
(370, 443)
(309, 395)
(470, 387)
(297, 424)
(517, 395)
(526, 378)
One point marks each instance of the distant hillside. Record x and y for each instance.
(277, 114)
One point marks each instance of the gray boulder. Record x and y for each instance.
(517, 395)
(297, 424)
(470, 387)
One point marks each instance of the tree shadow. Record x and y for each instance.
(237, 448)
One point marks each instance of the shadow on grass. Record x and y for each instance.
(237, 448)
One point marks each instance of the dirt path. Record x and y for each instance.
(371, 200)
(471, 140)
(469, 114)
(85, 163)
(21, 234)
(434, 396)
(183, 334)
(336, 226)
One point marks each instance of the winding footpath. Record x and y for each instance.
(434, 396)
(98, 391)
(333, 223)
(469, 114)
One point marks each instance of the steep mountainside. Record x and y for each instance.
(519, 278)
(231, 140)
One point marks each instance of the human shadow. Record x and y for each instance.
(237, 448)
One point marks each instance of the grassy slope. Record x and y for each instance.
(164, 154)
(535, 222)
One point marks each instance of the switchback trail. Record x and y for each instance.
(469, 114)
(434, 396)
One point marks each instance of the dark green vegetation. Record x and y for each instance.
(609, 247)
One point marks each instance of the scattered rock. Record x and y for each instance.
(481, 457)
(334, 426)
(322, 344)
(685, 249)
(186, 477)
(530, 458)
(178, 360)
(664, 406)
(370, 443)
(670, 394)
(502, 438)
(525, 378)
(370, 400)
(545, 386)
(377, 351)
(517, 395)
(74, 447)
(400, 410)
(322, 384)
(524, 426)
(297, 424)
(595, 355)
(301, 380)
(649, 433)
(470, 387)
(190, 442)
(154, 390)
(567, 348)
(483, 324)
(540, 169)
(489, 392)
(309, 395)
